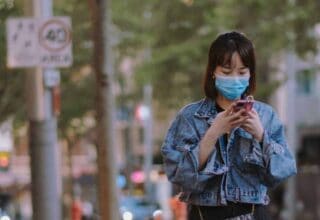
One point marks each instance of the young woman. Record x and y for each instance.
(224, 158)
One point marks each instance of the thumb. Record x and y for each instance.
(254, 112)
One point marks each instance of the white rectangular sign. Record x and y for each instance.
(45, 42)
(22, 43)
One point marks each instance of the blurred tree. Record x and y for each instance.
(11, 81)
(176, 36)
(77, 88)
(179, 33)
(77, 81)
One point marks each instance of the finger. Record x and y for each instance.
(229, 110)
(243, 118)
(239, 124)
(246, 128)
(254, 111)
(246, 125)
(237, 114)
(249, 120)
(238, 121)
(252, 114)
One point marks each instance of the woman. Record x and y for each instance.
(224, 160)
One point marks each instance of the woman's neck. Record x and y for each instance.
(223, 102)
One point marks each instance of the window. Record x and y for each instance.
(306, 81)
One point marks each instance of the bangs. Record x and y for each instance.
(225, 53)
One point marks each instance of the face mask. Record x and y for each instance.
(231, 87)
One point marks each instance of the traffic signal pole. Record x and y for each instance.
(42, 133)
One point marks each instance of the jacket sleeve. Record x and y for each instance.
(273, 154)
(180, 152)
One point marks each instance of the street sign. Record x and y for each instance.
(44, 42)
(22, 43)
(55, 42)
(51, 78)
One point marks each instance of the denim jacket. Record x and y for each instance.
(240, 170)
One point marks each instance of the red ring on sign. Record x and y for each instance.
(65, 28)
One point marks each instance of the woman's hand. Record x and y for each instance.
(222, 123)
(225, 121)
(253, 125)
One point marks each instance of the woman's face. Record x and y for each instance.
(234, 68)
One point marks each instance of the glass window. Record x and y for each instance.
(306, 80)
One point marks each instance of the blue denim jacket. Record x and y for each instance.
(240, 171)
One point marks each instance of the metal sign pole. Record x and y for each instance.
(42, 135)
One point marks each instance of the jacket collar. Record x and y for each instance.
(207, 109)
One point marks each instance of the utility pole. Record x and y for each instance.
(105, 113)
(42, 133)
(148, 143)
(129, 146)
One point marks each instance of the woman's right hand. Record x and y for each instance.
(225, 121)
(222, 123)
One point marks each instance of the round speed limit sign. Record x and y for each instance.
(54, 35)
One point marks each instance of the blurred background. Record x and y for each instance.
(159, 52)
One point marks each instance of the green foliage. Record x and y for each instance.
(6, 4)
(179, 35)
(169, 40)
(11, 81)
(77, 84)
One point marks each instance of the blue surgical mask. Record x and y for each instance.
(231, 87)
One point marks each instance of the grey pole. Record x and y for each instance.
(290, 191)
(42, 134)
(45, 196)
(148, 143)
(129, 147)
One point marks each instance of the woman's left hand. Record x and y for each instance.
(253, 125)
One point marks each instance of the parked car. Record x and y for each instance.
(4, 215)
(137, 208)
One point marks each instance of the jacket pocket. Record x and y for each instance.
(250, 151)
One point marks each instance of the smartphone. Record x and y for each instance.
(247, 104)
